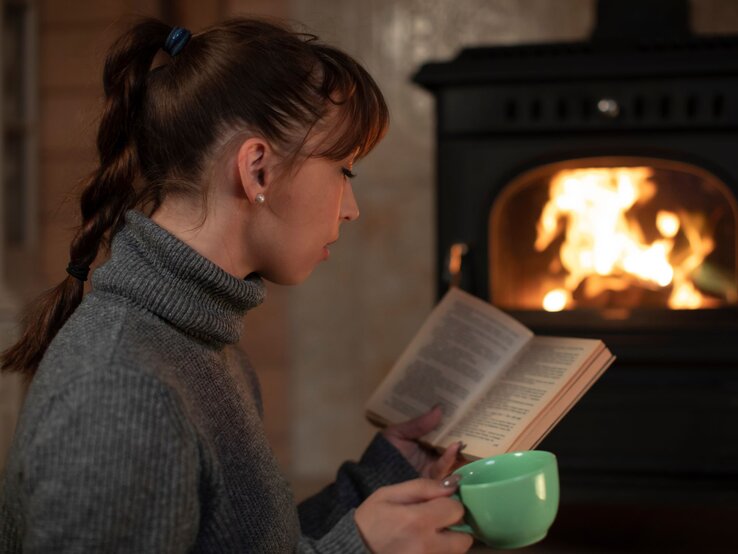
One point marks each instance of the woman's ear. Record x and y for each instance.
(253, 162)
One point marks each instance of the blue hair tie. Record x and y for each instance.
(177, 39)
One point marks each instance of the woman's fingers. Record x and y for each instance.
(443, 511)
(453, 541)
(413, 517)
(417, 427)
(415, 491)
(445, 464)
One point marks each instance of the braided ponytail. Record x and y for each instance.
(107, 194)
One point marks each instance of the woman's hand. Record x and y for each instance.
(404, 437)
(412, 517)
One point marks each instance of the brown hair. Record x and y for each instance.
(159, 126)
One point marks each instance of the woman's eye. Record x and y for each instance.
(348, 173)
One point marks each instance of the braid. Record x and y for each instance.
(107, 195)
(110, 191)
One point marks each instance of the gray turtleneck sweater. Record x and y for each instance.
(142, 429)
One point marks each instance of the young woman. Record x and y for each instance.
(227, 163)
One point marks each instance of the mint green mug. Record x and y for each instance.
(510, 500)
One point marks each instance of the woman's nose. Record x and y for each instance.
(349, 207)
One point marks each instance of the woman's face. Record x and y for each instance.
(305, 210)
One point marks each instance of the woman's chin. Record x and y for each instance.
(288, 279)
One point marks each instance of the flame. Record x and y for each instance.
(556, 300)
(604, 247)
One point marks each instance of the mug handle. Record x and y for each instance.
(460, 527)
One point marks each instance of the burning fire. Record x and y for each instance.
(604, 246)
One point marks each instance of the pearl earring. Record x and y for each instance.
(259, 198)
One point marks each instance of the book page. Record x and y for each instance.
(461, 348)
(548, 365)
(550, 417)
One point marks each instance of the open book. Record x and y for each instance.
(502, 388)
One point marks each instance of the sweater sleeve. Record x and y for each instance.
(380, 465)
(111, 468)
(344, 538)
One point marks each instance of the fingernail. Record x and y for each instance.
(452, 481)
(462, 445)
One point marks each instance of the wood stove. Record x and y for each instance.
(591, 189)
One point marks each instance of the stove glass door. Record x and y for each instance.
(614, 232)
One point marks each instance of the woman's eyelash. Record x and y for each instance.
(348, 173)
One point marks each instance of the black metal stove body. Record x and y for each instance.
(663, 422)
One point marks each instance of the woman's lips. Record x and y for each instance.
(326, 249)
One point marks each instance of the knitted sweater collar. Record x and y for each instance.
(159, 272)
